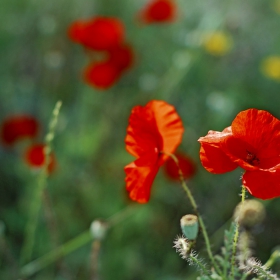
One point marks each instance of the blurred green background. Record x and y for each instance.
(39, 65)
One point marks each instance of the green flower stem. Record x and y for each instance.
(273, 258)
(200, 220)
(63, 250)
(72, 245)
(35, 204)
(235, 238)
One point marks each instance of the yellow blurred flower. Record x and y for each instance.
(217, 43)
(276, 6)
(270, 67)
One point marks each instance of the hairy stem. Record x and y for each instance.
(200, 220)
(236, 234)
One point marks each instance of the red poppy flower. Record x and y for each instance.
(121, 56)
(35, 157)
(102, 75)
(186, 165)
(158, 11)
(99, 33)
(18, 127)
(154, 129)
(251, 142)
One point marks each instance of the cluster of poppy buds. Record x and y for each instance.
(105, 35)
(20, 127)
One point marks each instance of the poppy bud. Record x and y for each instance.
(18, 127)
(98, 229)
(35, 157)
(189, 226)
(249, 213)
(158, 11)
(101, 75)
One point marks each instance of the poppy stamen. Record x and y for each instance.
(252, 158)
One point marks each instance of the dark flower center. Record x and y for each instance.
(252, 158)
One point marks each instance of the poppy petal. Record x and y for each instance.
(169, 125)
(263, 184)
(18, 127)
(158, 11)
(186, 165)
(260, 129)
(139, 181)
(215, 160)
(154, 127)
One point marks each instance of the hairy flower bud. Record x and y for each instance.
(250, 213)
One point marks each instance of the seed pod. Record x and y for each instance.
(189, 226)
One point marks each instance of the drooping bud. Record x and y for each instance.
(249, 213)
(189, 226)
(98, 229)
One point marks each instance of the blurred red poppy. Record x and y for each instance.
(101, 75)
(35, 157)
(121, 56)
(98, 33)
(186, 165)
(76, 31)
(153, 131)
(158, 11)
(251, 142)
(18, 127)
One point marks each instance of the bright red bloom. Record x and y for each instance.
(35, 157)
(121, 56)
(99, 33)
(186, 165)
(251, 142)
(102, 75)
(18, 127)
(158, 11)
(154, 129)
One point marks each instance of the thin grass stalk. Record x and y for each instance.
(35, 204)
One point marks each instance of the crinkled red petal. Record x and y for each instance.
(154, 127)
(139, 181)
(263, 184)
(215, 160)
(260, 129)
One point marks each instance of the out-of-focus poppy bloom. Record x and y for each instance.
(270, 67)
(99, 33)
(101, 75)
(35, 157)
(121, 56)
(158, 11)
(154, 131)
(217, 43)
(186, 165)
(76, 31)
(18, 127)
(251, 142)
